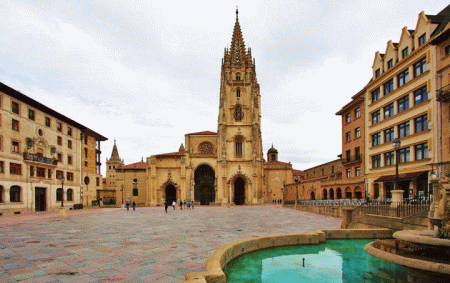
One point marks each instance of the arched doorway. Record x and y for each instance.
(338, 193)
(348, 193)
(331, 193)
(313, 196)
(171, 194)
(204, 191)
(324, 194)
(239, 191)
(358, 193)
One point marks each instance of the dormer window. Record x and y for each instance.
(390, 63)
(377, 73)
(422, 39)
(405, 52)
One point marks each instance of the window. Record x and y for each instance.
(390, 63)
(420, 67)
(31, 171)
(85, 164)
(14, 194)
(403, 103)
(388, 87)
(403, 130)
(376, 161)
(85, 139)
(31, 114)
(421, 151)
(15, 169)
(238, 93)
(420, 95)
(357, 171)
(422, 39)
(357, 112)
(69, 131)
(389, 158)
(358, 132)
(40, 172)
(69, 195)
(238, 77)
(389, 111)
(135, 192)
(402, 78)
(2, 167)
(47, 122)
(206, 148)
(377, 73)
(403, 155)
(69, 176)
(59, 157)
(357, 153)
(86, 152)
(375, 95)
(349, 173)
(421, 123)
(15, 125)
(59, 194)
(405, 52)
(238, 114)
(348, 155)
(376, 139)
(389, 135)
(69, 159)
(347, 136)
(15, 107)
(238, 145)
(15, 146)
(376, 117)
(347, 118)
(59, 140)
(49, 173)
(97, 181)
(69, 144)
(58, 126)
(59, 174)
(446, 50)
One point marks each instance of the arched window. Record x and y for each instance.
(59, 194)
(14, 194)
(238, 77)
(238, 93)
(238, 114)
(135, 192)
(238, 146)
(69, 195)
(205, 148)
(2, 199)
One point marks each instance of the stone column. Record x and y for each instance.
(346, 217)
(397, 197)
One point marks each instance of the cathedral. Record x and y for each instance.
(223, 167)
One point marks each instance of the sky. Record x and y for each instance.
(145, 73)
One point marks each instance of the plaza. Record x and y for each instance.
(146, 245)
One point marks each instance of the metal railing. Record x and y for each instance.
(332, 202)
(443, 93)
(401, 209)
(350, 159)
(39, 158)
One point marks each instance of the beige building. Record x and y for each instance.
(401, 102)
(213, 168)
(38, 148)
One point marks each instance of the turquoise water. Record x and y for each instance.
(334, 261)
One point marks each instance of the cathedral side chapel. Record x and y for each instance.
(226, 167)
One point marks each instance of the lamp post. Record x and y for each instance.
(229, 193)
(396, 143)
(62, 188)
(121, 189)
(296, 196)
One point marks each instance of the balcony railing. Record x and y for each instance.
(351, 159)
(39, 158)
(443, 94)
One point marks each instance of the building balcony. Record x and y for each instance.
(351, 159)
(38, 158)
(443, 94)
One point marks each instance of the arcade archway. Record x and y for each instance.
(239, 191)
(204, 191)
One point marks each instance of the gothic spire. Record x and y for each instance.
(237, 43)
(115, 153)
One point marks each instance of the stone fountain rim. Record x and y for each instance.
(420, 237)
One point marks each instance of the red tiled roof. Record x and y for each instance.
(204, 133)
(297, 172)
(137, 165)
(177, 153)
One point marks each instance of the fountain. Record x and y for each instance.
(429, 250)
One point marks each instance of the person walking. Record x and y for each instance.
(134, 205)
(127, 204)
(174, 204)
(188, 204)
(166, 206)
(181, 205)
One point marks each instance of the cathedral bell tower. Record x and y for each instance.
(239, 152)
(111, 165)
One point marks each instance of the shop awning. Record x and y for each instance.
(401, 177)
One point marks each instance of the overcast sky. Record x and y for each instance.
(148, 72)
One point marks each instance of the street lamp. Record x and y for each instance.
(229, 193)
(122, 192)
(62, 188)
(396, 143)
(296, 196)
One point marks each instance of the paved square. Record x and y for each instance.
(146, 245)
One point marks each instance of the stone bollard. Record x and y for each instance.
(397, 197)
(62, 212)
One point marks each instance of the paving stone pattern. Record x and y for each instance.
(146, 245)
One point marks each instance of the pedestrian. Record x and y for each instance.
(134, 205)
(181, 205)
(174, 204)
(166, 205)
(188, 204)
(127, 204)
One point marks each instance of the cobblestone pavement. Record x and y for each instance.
(146, 245)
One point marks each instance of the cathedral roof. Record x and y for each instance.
(296, 172)
(272, 150)
(137, 165)
(204, 133)
(115, 153)
(177, 153)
